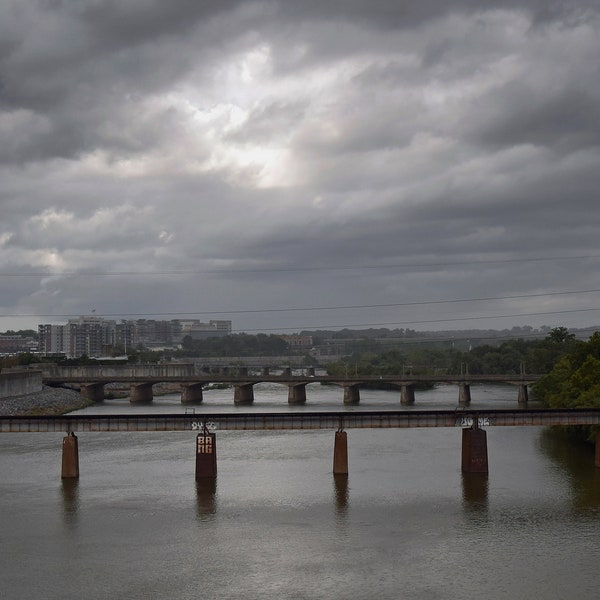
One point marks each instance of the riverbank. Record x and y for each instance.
(48, 401)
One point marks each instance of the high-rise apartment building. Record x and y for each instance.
(95, 336)
(92, 336)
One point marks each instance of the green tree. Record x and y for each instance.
(574, 382)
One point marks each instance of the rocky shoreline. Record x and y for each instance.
(48, 401)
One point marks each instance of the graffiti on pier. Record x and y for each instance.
(467, 421)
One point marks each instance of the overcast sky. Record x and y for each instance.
(253, 160)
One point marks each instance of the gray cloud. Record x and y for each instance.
(430, 149)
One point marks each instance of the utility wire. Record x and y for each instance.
(425, 321)
(290, 269)
(314, 308)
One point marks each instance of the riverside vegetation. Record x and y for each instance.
(570, 367)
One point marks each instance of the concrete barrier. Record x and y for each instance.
(16, 383)
(162, 370)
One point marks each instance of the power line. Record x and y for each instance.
(425, 321)
(291, 269)
(311, 308)
(347, 326)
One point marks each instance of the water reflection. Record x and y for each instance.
(576, 459)
(475, 492)
(340, 484)
(206, 496)
(70, 499)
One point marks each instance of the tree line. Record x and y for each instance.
(508, 358)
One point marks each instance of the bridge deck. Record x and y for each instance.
(52, 379)
(300, 420)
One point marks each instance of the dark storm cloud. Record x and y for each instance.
(565, 118)
(73, 75)
(230, 138)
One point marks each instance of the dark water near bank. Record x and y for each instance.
(404, 524)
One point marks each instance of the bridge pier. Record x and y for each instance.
(70, 457)
(206, 455)
(297, 393)
(523, 395)
(140, 393)
(92, 391)
(340, 453)
(287, 372)
(407, 395)
(351, 394)
(464, 394)
(597, 459)
(474, 449)
(265, 371)
(243, 394)
(191, 393)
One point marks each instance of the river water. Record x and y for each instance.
(405, 523)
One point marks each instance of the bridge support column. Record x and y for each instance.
(70, 457)
(191, 393)
(243, 394)
(597, 461)
(474, 450)
(140, 393)
(287, 372)
(265, 371)
(92, 391)
(206, 455)
(464, 394)
(351, 394)
(297, 394)
(523, 395)
(340, 453)
(407, 394)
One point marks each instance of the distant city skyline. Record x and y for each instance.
(95, 336)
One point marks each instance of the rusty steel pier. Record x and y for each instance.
(205, 424)
(256, 421)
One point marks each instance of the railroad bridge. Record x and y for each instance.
(474, 455)
(92, 381)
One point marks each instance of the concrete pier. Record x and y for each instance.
(523, 395)
(243, 394)
(407, 395)
(464, 394)
(474, 450)
(70, 457)
(140, 393)
(191, 393)
(340, 453)
(297, 394)
(92, 391)
(351, 394)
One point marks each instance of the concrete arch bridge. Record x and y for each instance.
(91, 382)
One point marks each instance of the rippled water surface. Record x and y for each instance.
(405, 523)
